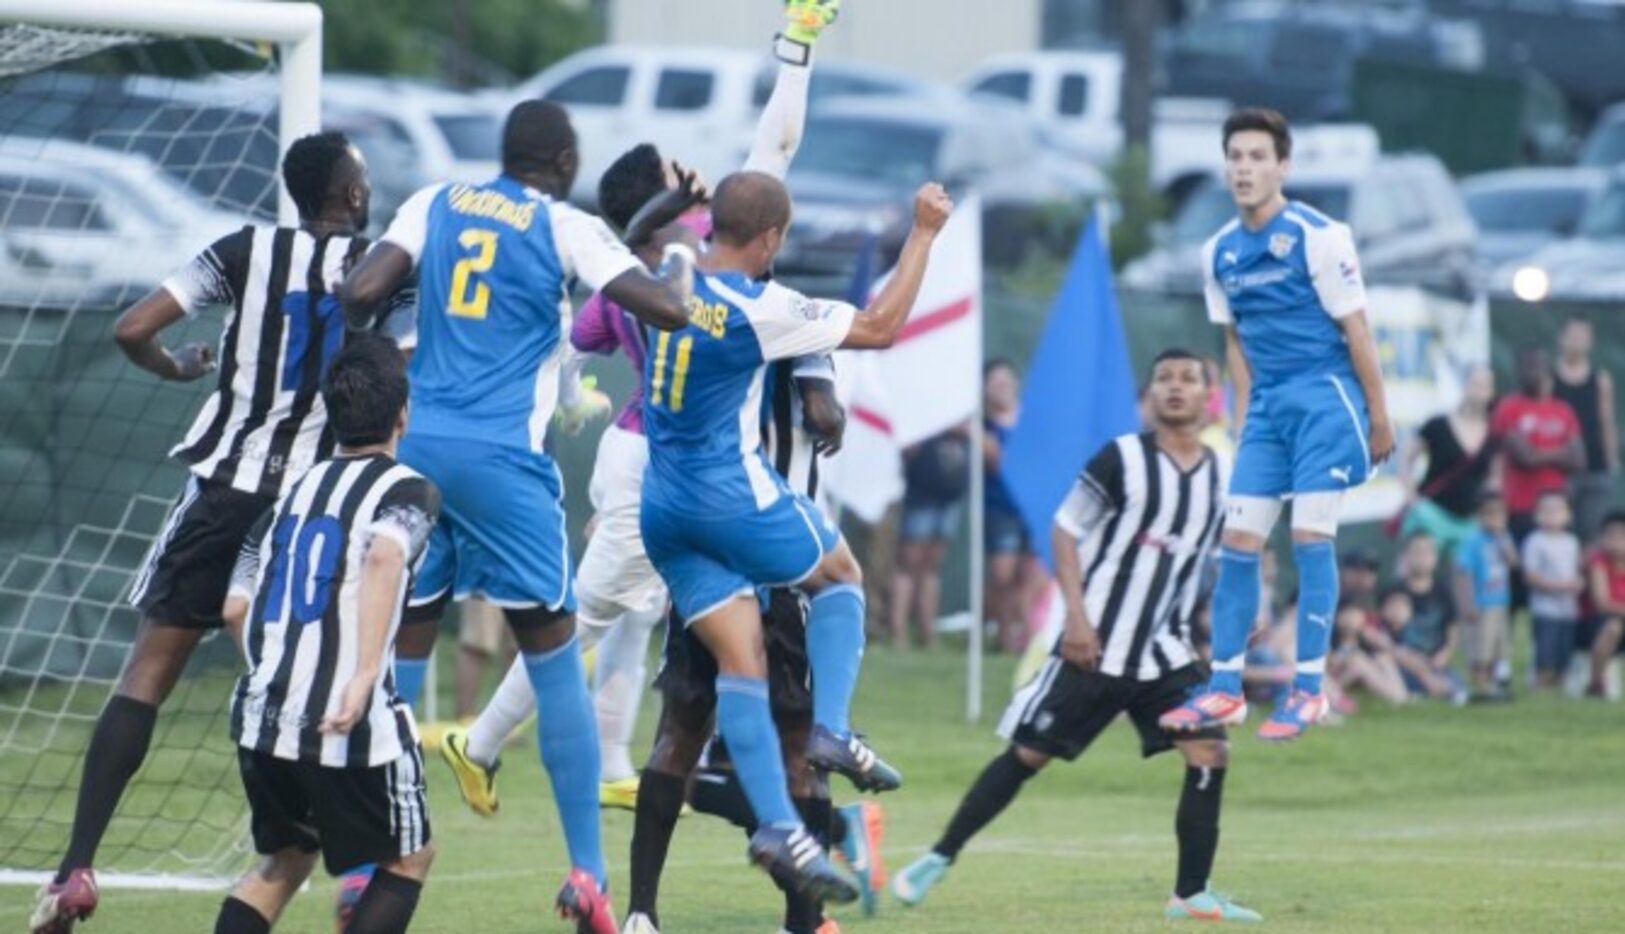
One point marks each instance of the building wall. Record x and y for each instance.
(940, 39)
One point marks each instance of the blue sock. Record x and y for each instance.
(1235, 607)
(409, 675)
(745, 722)
(1317, 610)
(835, 654)
(567, 734)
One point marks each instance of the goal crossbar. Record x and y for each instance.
(296, 28)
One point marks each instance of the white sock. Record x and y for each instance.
(513, 702)
(618, 690)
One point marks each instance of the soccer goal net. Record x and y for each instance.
(131, 135)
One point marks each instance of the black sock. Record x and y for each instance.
(994, 789)
(838, 828)
(117, 749)
(718, 792)
(803, 915)
(239, 917)
(660, 801)
(1197, 827)
(386, 906)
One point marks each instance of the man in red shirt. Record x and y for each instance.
(1540, 441)
(1604, 627)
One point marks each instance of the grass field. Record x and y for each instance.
(1507, 818)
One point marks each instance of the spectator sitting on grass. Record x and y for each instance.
(1605, 570)
(1424, 623)
(1484, 563)
(1363, 656)
(1552, 569)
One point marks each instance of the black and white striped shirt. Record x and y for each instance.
(302, 567)
(1146, 527)
(264, 424)
(789, 448)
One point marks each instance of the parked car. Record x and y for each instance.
(862, 159)
(1519, 211)
(80, 225)
(699, 105)
(1076, 98)
(1605, 144)
(1409, 224)
(1590, 266)
(1299, 58)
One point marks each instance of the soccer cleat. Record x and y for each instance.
(828, 927)
(865, 828)
(806, 19)
(352, 885)
(621, 793)
(477, 783)
(581, 901)
(914, 881)
(1204, 712)
(1293, 718)
(639, 923)
(792, 856)
(852, 757)
(1208, 906)
(62, 904)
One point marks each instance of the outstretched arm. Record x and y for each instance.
(877, 326)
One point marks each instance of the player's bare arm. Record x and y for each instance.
(1080, 645)
(382, 569)
(372, 281)
(877, 326)
(137, 334)
(1240, 373)
(823, 416)
(1363, 354)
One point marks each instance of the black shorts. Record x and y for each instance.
(354, 816)
(688, 674)
(1590, 629)
(188, 570)
(1063, 708)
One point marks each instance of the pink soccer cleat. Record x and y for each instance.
(581, 900)
(63, 903)
(1292, 719)
(1204, 712)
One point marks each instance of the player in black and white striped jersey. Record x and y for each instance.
(260, 429)
(1129, 543)
(328, 751)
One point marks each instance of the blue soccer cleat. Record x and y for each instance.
(793, 856)
(1209, 906)
(914, 881)
(852, 757)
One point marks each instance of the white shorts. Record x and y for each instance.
(615, 576)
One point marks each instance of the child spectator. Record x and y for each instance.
(1551, 567)
(1484, 563)
(1606, 601)
(1363, 657)
(1424, 623)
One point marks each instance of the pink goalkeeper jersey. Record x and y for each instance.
(602, 327)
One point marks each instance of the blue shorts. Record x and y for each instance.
(708, 560)
(1304, 436)
(501, 532)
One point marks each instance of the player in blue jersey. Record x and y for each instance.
(718, 521)
(495, 263)
(1284, 283)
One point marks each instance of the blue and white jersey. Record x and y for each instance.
(495, 265)
(703, 388)
(1283, 287)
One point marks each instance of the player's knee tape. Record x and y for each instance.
(1255, 515)
(1317, 512)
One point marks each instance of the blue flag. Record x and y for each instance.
(1080, 391)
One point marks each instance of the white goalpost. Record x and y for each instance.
(111, 169)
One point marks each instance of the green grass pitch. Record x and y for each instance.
(1427, 818)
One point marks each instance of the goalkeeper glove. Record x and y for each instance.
(588, 405)
(807, 18)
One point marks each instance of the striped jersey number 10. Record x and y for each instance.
(462, 303)
(679, 370)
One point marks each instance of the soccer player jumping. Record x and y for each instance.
(1283, 281)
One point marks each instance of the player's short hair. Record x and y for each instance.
(1612, 518)
(631, 182)
(1260, 118)
(535, 134)
(309, 166)
(748, 204)
(1180, 353)
(364, 390)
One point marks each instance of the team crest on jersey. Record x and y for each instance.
(1281, 244)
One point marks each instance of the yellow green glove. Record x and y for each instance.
(807, 18)
(590, 404)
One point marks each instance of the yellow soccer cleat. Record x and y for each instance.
(621, 793)
(477, 783)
